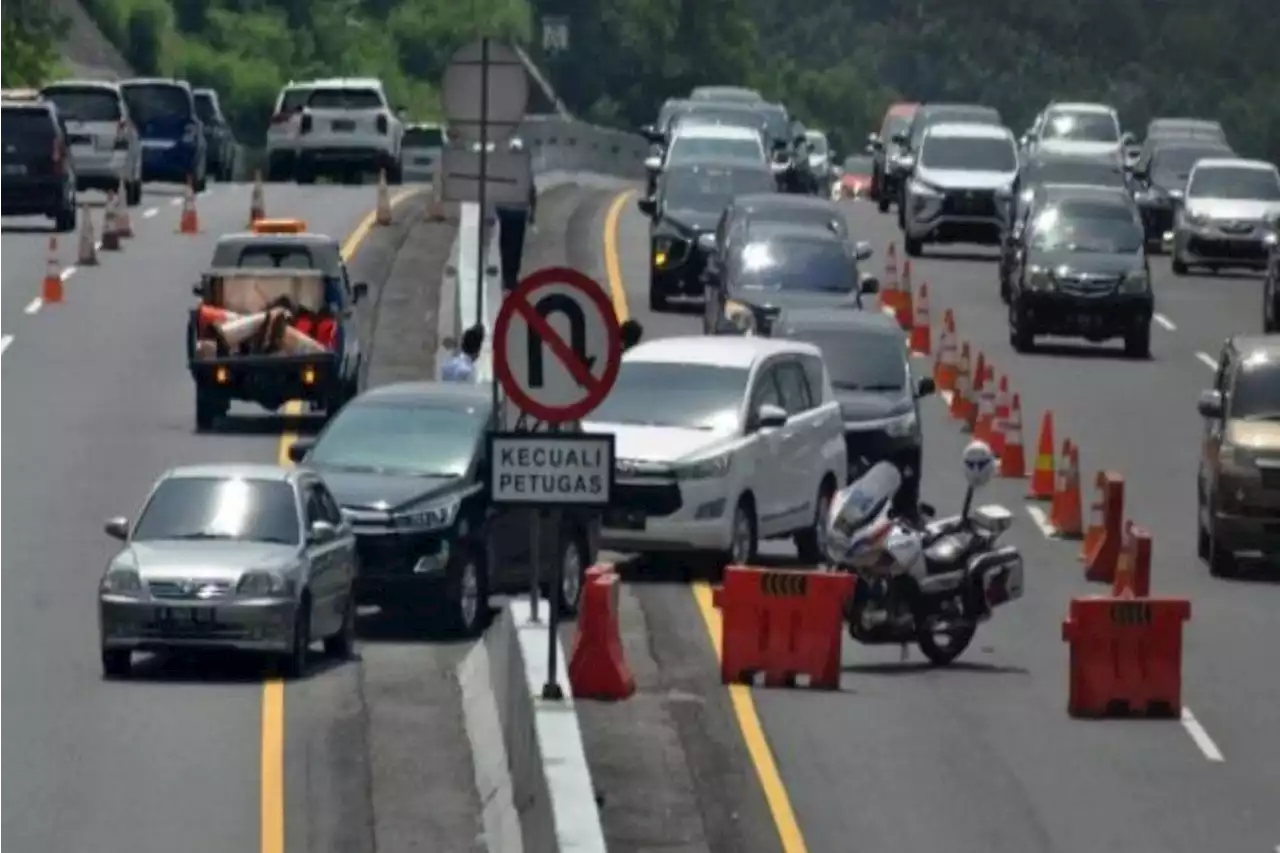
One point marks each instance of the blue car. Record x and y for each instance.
(173, 142)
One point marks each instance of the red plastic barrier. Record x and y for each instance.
(598, 667)
(1126, 656)
(782, 624)
(1103, 555)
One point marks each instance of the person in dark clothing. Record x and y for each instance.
(513, 222)
(632, 332)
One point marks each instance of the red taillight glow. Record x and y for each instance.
(58, 156)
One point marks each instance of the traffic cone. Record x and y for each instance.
(975, 393)
(961, 390)
(383, 210)
(87, 254)
(257, 206)
(903, 304)
(1065, 512)
(947, 364)
(985, 418)
(998, 438)
(110, 234)
(1013, 461)
(189, 222)
(1097, 523)
(921, 331)
(1042, 477)
(124, 228)
(889, 287)
(51, 287)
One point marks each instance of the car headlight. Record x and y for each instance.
(705, 469)
(1192, 218)
(903, 426)
(1039, 279)
(920, 188)
(668, 251)
(1135, 282)
(436, 517)
(262, 583)
(1237, 461)
(741, 316)
(122, 582)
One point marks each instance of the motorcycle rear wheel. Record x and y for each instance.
(958, 640)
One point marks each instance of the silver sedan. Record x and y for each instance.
(253, 558)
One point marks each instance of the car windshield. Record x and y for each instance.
(859, 360)
(1173, 165)
(151, 101)
(729, 117)
(1235, 182)
(246, 510)
(23, 125)
(970, 153)
(419, 439)
(685, 149)
(84, 103)
(711, 188)
(1081, 127)
(207, 109)
(857, 165)
(793, 264)
(1086, 226)
(945, 115)
(294, 98)
(423, 137)
(345, 99)
(778, 122)
(1084, 172)
(689, 396)
(1256, 395)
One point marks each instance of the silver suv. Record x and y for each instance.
(104, 144)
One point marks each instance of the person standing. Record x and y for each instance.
(461, 367)
(513, 222)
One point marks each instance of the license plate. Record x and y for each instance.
(185, 617)
(344, 125)
(158, 144)
(15, 169)
(621, 519)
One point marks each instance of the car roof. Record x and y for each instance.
(926, 111)
(815, 134)
(715, 350)
(1081, 107)
(231, 471)
(305, 238)
(737, 93)
(460, 394)
(969, 130)
(1235, 163)
(156, 81)
(346, 83)
(328, 260)
(43, 107)
(901, 108)
(840, 319)
(805, 231)
(1043, 159)
(755, 201)
(104, 85)
(696, 130)
(1058, 192)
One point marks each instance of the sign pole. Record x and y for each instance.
(535, 559)
(482, 248)
(551, 689)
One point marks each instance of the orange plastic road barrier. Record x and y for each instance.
(1043, 482)
(598, 667)
(1103, 553)
(1133, 570)
(960, 395)
(257, 204)
(189, 221)
(944, 371)
(382, 210)
(51, 287)
(997, 437)
(921, 330)
(1066, 514)
(782, 624)
(1125, 656)
(1013, 461)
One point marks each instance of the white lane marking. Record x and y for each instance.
(67, 273)
(175, 201)
(34, 305)
(1164, 321)
(5, 340)
(150, 212)
(1041, 520)
(1207, 360)
(1200, 736)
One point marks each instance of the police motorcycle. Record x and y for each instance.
(922, 581)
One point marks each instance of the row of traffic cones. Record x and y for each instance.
(258, 206)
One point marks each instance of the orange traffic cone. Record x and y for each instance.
(921, 331)
(889, 287)
(1066, 510)
(998, 438)
(961, 391)
(903, 308)
(110, 232)
(1013, 461)
(51, 287)
(383, 210)
(975, 393)
(1097, 523)
(257, 205)
(124, 228)
(1042, 478)
(87, 254)
(985, 419)
(189, 222)
(947, 364)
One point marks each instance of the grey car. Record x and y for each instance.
(1224, 215)
(252, 558)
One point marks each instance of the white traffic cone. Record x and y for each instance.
(383, 210)
(124, 228)
(110, 231)
(87, 255)
(257, 204)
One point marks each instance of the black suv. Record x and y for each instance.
(38, 176)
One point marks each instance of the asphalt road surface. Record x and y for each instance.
(181, 757)
(982, 757)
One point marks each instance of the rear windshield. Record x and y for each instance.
(150, 101)
(207, 109)
(345, 99)
(84, 103)
(424, 137)
(20, 125)
(294, 99)
(264, 257)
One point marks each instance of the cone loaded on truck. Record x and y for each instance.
(275, 322)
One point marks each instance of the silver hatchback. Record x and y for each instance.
(104, 143)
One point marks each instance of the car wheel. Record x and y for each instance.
(343, 644)
(744, 538)
(882, 204)
(1137, 344)
(1179, 267)
(902, 216)
(117, 663)
(293, 663)
(467, 597)
(914, 247)
(1222, 563)
(1004, 290)
(573, 562)
(1020, 338)
(395, 174)
(208, 409)
(64, 221)
(133, 193)
(811, 543)
(1204, 545)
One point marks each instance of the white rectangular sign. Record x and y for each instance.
(542, 469)
(507, 176)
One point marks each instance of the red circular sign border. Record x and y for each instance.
(502, 369)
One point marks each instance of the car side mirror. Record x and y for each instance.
(925, 387)
(299, 450)
(869, 285)
(321, 532)
(117, 528)
(648, 206)
(1210, 405)
(770, 416)
(359, 291)
(652, 164)
(862, 250)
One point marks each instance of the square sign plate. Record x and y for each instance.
(550, 470)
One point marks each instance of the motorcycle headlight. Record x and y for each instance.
(436, 517)
(1039, 279)
(122, 582)
(903, 426)
(1135, 282)
(705, 469)
(920, 188)
(262, 583)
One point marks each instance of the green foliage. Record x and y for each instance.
(29, 39)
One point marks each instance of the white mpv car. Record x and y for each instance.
(722, 442)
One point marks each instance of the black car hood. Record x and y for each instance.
(1095, 263)
(778, 301)
(689, 219)
(858, 406)
(361, 490)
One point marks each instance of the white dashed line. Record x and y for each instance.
(1207, 360)
(1201, 737)
(1164, 321)
(1041, 521)
(150, 212)
(34, 305)
(5, 340)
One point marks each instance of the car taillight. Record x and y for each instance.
(305, 125)
(122, 134)
(382, 124)
(58, 156)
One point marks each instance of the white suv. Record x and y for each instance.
(347, 129)
(722, 442)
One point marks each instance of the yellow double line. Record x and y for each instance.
(744, 707)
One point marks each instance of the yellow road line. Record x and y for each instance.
(744, 706)
(271, 818)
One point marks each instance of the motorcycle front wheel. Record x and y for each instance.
(955, 641)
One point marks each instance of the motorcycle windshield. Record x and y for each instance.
(857, 508)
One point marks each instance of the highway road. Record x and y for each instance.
(982, 757)
(181, 758)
